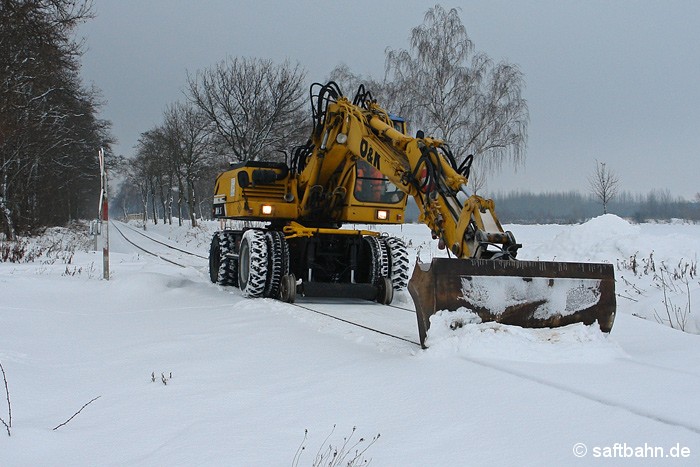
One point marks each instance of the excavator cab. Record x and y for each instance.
(399, 124)
(375, 199)
(371, 186)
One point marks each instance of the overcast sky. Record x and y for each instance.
(613, 81)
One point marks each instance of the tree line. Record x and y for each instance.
(523, 207)
(50, 132)
(249, 109)
(238, 110)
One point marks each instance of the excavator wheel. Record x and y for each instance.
(252, 263)
(223, 268)
(398, 262)
(278, 262)
(378, 259)
(214, 259)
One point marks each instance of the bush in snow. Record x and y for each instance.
(56, 244)
(675, 316)
(350, 453)
(12, 251)
(673, 280)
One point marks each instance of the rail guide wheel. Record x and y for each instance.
(288, 288)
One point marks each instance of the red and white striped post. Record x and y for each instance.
(104, 215)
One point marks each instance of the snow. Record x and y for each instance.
(565, 296)
(245, 378)
(462, 333)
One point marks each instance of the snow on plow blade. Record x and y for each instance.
(530, 294)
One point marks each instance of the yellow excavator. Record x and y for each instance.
(360, 167)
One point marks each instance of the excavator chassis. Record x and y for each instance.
(530, 294)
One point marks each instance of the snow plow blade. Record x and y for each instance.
(530, 294)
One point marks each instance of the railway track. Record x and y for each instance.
(383, 309)
(155, 240)
(145, 250)
(335, 315)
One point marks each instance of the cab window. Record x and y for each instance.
(372, 187)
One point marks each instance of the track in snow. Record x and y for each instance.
(601, 398)
(162, 243)
(400, 320)
(400, 324)
(359, 313)
(178, 260)
(365, 315)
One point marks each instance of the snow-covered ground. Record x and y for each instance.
(245, 378)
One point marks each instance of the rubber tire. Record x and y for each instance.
(223, 267)
(277, 262)
(228, 268)
(378, 261)
(252, 263)
(214, 259)
(398, 262)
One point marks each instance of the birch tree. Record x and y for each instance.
(387, 93)
(452, 92)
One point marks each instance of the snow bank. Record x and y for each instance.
(606, 225)
(461, 333)
(595, 239)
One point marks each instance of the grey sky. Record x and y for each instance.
(616, 81)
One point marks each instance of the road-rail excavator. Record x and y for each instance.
(359, 167)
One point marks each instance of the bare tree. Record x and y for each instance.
(604, 184)
(173, 158)
(187, 131)
(477, 180)
(253, 105)
(459, 95)
(149, 171)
